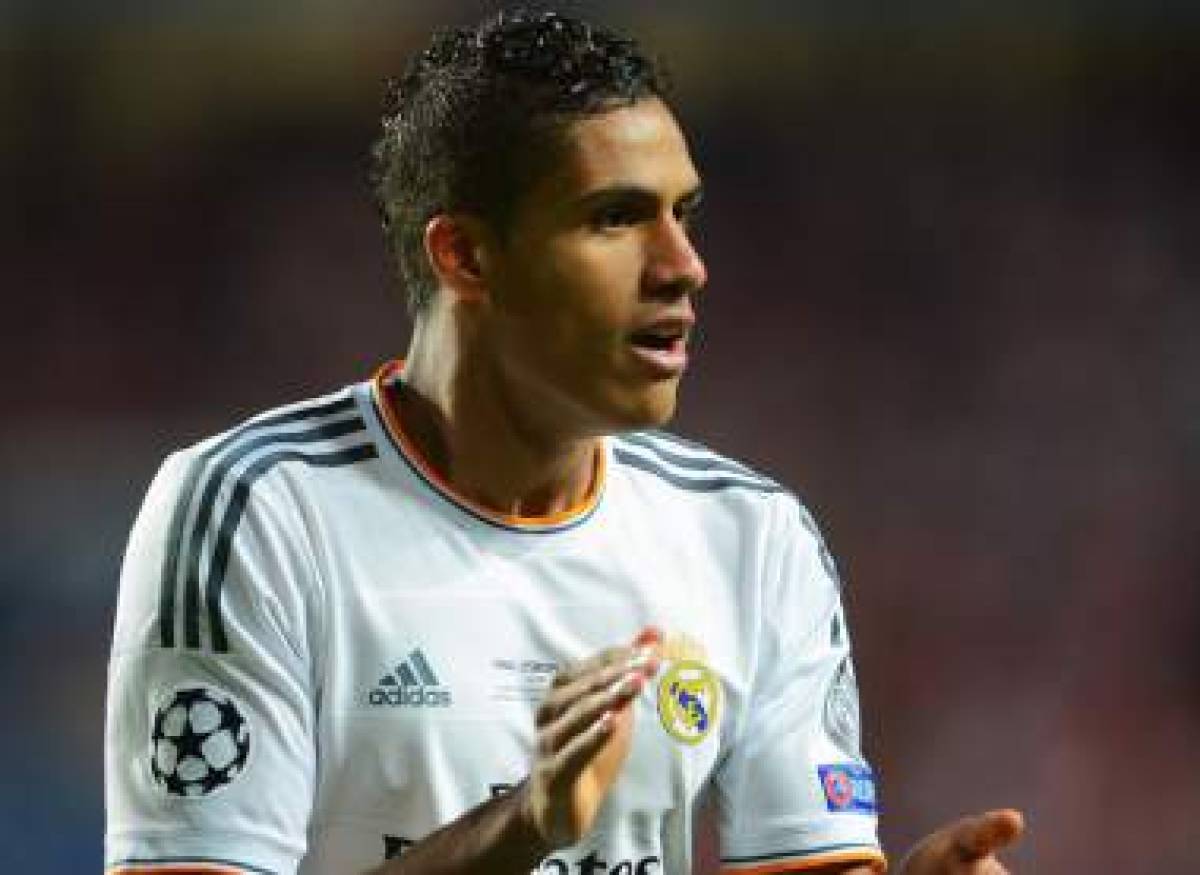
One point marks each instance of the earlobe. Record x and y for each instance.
(455, 254)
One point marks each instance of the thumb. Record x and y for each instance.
(976, 837)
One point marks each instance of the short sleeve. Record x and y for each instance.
(794, 791)
(209, 752)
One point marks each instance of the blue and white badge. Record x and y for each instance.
(848, 787)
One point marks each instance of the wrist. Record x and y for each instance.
(523, 822)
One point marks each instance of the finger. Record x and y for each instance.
(584, 712)
(598, 671)
(646, 641)
(573, 671)
(987, 866)
(976, 837)
(647, 651)
(559, 700)
(569, 762)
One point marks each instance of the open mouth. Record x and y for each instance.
(658, 340)
(662, 349)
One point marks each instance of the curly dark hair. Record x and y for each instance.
(476, 118)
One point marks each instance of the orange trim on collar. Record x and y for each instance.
(391, 422)
(175, 869)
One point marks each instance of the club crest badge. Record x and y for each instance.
(689, 701)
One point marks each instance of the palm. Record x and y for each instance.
(596, 779)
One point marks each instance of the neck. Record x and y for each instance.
(472, 429)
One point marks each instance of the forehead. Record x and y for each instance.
(640, 145)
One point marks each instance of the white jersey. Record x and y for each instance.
(321, 654)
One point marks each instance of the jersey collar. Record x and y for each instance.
(408, 451)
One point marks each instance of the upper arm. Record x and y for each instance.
(209, 754)
(794, 792)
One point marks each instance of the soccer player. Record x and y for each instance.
(475, 615)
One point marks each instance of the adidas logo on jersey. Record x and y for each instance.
(412, 684)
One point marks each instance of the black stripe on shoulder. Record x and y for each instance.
(709, 462)
(720, 481)
(237, 506)
(216, 477)
(171, 560)
(683, 443)
(170, 570)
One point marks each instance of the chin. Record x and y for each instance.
(651, 408)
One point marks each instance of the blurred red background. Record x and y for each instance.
(953, 303)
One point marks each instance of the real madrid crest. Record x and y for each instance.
(689, 700)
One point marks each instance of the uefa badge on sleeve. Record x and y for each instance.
(848, 788)
(199, 742)
(689, 693)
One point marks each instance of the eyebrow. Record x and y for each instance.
(689, 200)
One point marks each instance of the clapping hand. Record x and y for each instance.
(584, 730)
(967, 846)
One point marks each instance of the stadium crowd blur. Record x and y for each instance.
(954, 302)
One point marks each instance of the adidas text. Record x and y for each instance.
(417, 697)
(412, 683)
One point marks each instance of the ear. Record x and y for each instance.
(455, 248)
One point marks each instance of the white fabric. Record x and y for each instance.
(341, 576)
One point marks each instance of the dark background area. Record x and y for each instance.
(953, 302)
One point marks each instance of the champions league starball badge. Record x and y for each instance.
(200, 742)
(689, 701)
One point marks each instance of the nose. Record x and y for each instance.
(673, 266)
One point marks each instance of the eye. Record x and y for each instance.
(687, 214)
(614, 216)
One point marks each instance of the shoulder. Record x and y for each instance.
(329, 431)
(218, 480)
(686, 466)
(214, 511)
(677, 467)
(189, 478)
(312, 424)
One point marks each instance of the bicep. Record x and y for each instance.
(793, 792)
(209, 754)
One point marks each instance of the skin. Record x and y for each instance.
(516, 368)
(524, 359)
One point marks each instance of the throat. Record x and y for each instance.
(487, 466)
